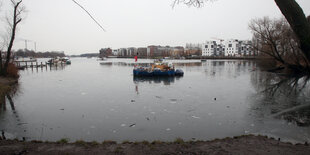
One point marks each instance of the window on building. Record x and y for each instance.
(229, 45)
(211, 46)
(206, 46)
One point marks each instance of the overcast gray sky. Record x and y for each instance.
(61, 25)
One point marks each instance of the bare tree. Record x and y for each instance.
(276, 39)
(298, 22)
(18, 9)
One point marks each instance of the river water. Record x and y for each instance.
(214, 99)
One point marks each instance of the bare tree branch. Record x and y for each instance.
(89, 15)
(195, 3)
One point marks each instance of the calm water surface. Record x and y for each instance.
(214, 99)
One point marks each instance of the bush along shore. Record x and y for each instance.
(6, 86)
(248, 144)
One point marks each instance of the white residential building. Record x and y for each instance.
(246, 48)
(115, 52)
(209, 48)
(213, 48)
(232, 47)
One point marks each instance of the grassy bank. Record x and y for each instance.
(6, 85)
(237, 145)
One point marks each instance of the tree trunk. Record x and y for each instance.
(14, 25)
(1, 65)
(298, 22)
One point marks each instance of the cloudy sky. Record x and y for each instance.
(60, 25)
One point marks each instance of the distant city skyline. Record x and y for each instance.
(60, 25)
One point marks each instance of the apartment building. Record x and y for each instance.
(232, 47)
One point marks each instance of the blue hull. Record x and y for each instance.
(138, 72)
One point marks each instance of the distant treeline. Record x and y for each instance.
(31, 53)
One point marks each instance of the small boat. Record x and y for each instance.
(55, 61)
(157, 69)
(66, 60)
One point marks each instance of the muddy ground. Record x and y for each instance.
(237, 145)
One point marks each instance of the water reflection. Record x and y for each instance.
(285, 98)
(156, 80)
(5, 100)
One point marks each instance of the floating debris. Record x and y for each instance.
(133, 101)
(153, 112)
(173, 99)
(158, 96)
(210, 114)
(228, 106)
(191, 110)
(168, 129)
(92, 127)
(132, 125)
(196, 117)
(122, 125)
(83, 93)
(215, 99)
(147, 118)
(246, 132)
(114, 131)
(252, 125)
(61, 109)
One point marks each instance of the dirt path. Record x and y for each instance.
(238, 145)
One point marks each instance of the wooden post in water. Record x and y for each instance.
(46, 65)
(31, 65)
(37, 65)
(41, 65)
(26, 65)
